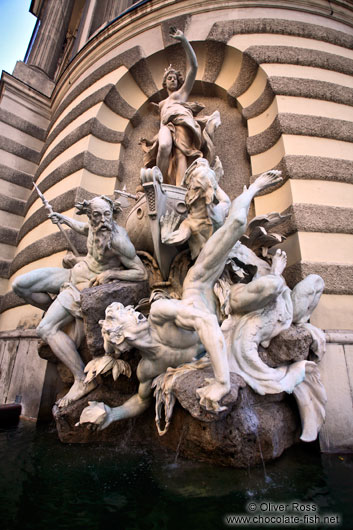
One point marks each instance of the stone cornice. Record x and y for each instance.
(26, 92)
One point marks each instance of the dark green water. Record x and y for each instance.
(48, 485)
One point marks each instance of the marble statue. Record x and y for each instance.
(207, 205)
(177, 331)
(259, 311)
(205, 331)
(181, 138)
(110, 256)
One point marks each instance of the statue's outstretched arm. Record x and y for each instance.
(78, 226)
(217, 248)
(132, 407)
(186, 88)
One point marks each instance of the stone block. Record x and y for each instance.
(336, 435)
(252, 430)
(27, 378)
(290, 345)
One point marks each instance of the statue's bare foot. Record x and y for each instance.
(279, 262)
(211, 394)
(78, 390)
(268, 179)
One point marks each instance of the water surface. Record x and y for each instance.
(47, 485)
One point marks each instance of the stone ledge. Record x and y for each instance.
(339, 336)
(318, 218)
(15, 148)
(214, 60)
(246, 76)
(91, 127)
(4, 270)
(224, 31)
(311, 88)
(84, 160)
(12, 205)
(318, 168)
(22, 125)
(15, 176)
(300, 56)
(34, 77)
(8, 235)
(304, 167)
(11, 300)
(47, 246)
(79, 109)
(337, 277)
(127, 59)
(299, 124)
(19, 334)
(261, 104)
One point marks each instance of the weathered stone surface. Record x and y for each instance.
(95, 300)
(141, 429)
(253, 428)
(185, 391)
(224, 30)
(338, 277)
(336, 435)
(290, 345)
(256, 428)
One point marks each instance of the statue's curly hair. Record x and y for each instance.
(84, 207)
(170, 70)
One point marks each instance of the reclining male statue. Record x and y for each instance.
(110, 256)
(259, 311)
(179, 330)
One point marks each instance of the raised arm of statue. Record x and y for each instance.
(185, 90)
(78, 226)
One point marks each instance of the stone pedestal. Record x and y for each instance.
(253, 428)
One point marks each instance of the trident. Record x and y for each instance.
(48, 207)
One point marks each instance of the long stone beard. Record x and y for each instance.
(102, 242)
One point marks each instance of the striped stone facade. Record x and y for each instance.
(279, 72)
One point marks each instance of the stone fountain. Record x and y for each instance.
(185, 308)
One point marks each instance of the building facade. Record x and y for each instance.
(71, 115)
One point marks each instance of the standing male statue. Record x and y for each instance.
(110, 256)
